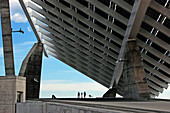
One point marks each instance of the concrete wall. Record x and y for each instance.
(47, 107)
(9, 85)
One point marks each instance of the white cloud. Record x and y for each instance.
(52, 81)
(1, 52)
(16, 12)
(25, 43)
(14, 5)
(65, 86)
(19, 18)
(20, 47)
(29, 29)
(165, 94)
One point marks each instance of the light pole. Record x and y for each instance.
(19, 31)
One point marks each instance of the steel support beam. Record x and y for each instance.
(70, 36)
(156, 6)
(92, 14)
(139, 17)
(123, 4)
(157, 73)
(90, 42)
(78, 62)
(154, 86)
(29, 19)
(77, 56)
(31, 23)
(155, 63)
(152, 91)
(74, 49)
(157, 25)
(119, 66)
(108, 11)
(72, 22)
(81, 69)
(154, 39)
(82, 49)
(154, 51)
(157, 81)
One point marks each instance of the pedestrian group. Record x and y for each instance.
(81, 95)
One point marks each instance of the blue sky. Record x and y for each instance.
(57, 78)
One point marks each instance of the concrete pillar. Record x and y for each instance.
(31, 69)
(134, 78)
(7, 38)
(12, 91)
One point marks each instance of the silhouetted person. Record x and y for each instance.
(78, 95)
(81, 95)
(84, 94)
(53, 97)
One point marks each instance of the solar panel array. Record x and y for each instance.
(87, 35)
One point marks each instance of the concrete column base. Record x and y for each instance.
(31, 69)
(12, 89)
(134, 79)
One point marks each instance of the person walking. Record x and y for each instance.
(81, 95)
(78, 95)
(84, 94)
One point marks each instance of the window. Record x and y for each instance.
(19, 97)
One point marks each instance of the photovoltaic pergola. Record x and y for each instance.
(90, 36)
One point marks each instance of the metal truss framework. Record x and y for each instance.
(88, 35)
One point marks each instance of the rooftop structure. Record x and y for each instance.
(91, 36)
